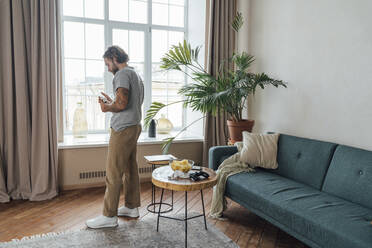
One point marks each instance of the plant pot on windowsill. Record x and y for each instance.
(237, 127)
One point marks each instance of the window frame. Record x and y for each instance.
(108, 26)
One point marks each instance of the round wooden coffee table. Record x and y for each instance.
(160, 178)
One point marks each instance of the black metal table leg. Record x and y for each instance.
(161, 200)
(152, 196)
(153, 199)
(185, 219)
(153, 189)
(202, 198)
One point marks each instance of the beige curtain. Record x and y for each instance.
(220, 45)
(3, 195)
(29, 70)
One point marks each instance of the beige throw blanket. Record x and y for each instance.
(229, 167)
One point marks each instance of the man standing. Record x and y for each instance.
(125, 130)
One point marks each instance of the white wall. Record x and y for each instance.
(243, 39)
(323, 49)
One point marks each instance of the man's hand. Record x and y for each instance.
(104, 106)
(118, 105)
(107, 97)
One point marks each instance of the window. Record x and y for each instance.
(145, 29)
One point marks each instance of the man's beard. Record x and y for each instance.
(115, 69)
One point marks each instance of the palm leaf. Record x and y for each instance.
(263, 80)
(169, 64)
(237, 22)
(181, 55)
(166, 145)
(168, 141)
(151, 113)
(195, 53)
(186, 50)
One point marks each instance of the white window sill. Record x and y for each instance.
(102, 140)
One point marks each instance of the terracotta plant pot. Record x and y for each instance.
(237, 127)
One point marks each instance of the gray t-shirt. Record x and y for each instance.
(132, 114)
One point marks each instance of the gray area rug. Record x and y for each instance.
(134, 233)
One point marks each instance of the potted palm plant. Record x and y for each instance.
(227, 91)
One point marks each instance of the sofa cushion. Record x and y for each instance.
(350, 175)
(304, 160)
(260, 150)
(326, 220)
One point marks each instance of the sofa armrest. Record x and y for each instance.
(219, 153)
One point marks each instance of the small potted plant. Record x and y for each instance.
(227, 91)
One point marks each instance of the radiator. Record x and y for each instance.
(143, 171)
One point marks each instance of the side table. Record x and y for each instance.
(160, 179)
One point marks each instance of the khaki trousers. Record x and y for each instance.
(122, 169)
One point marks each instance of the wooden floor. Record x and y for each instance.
(72, 208)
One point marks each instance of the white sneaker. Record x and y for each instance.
(102, 221)
(129, 212)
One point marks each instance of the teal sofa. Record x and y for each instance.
(321, 192)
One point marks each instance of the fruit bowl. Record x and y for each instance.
(181, 167)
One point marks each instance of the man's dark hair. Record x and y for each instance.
(117, 53)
